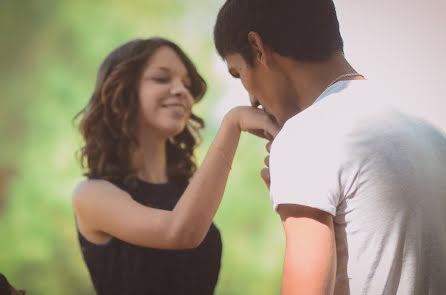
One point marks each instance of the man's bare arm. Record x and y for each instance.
(310, 255)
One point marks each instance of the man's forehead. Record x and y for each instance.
(233, 57)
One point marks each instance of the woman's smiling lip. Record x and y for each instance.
(174, 104)
(177, 107)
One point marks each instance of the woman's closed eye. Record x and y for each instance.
(188, 86)
(161, 79)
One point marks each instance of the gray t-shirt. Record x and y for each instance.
(382, 175)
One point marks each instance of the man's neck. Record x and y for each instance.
(310, 79)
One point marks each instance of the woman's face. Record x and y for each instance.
(164, 96)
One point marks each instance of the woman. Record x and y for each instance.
(144, 225)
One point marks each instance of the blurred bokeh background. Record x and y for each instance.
(50, 51)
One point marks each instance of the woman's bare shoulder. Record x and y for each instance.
(94, 190)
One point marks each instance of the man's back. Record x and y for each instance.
(382, 175)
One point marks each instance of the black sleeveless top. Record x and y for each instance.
(120, 268)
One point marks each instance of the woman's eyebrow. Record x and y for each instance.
(164, 69)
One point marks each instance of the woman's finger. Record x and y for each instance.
(267, 136)
(268, 146)
(271, 128)
(264, 173)
(257, 132)
(266, 161)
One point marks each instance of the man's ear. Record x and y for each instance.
(262, 52)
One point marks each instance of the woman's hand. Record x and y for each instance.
(258, 123)
(254, 121)
(264, 173)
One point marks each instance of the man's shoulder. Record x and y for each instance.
(336, 108)
(320, 124)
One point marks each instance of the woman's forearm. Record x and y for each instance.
(195, 211)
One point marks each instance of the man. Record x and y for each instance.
(360, 188)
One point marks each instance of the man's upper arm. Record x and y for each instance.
(310, 255)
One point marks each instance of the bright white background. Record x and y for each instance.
(401, 43)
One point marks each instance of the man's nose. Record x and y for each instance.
(254, 102)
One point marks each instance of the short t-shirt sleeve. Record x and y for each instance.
(305, 167)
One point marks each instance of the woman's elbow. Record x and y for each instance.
(185, 239)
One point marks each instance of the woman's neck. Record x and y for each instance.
(150, 159)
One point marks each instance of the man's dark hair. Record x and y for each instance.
(306, 30)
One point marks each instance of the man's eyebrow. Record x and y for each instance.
(231, 71)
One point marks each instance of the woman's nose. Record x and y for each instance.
(178, 89)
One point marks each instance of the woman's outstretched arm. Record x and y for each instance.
(103, 209)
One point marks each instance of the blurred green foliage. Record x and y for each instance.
(49, 54)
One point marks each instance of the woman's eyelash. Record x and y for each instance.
(165, 80)
(159, 79)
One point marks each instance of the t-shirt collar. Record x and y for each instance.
(335, 88)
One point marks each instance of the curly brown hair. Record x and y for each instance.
(109, 120)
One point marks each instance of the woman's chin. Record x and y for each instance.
(174, 130)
